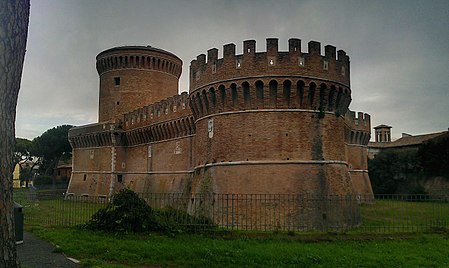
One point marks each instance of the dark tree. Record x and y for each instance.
(22, 150)
(14, 16)
(392, 168)
(53, 145)
(434, 156)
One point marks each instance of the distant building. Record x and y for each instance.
(407, 141)
(63, 171)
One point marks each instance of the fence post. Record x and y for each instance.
(232, 212)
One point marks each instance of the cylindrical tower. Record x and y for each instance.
(135, 76)
(272, 122)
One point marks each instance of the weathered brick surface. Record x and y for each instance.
(266, 135)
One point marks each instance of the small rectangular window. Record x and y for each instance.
(120, 178)
(117, 81)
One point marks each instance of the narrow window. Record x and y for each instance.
(287, 90)
(273, 85)
(300, 92)
(206, 101)
(213, 97)
(222, 90)
(323, 88)
(117, 81)
(259, 89)
(120, 178)
(246, 93)
(234, 93)
(311, 94)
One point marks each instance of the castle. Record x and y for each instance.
(269, 122)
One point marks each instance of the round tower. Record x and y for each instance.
(135, 76)
(272, 122)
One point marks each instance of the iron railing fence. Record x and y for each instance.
(259, 212)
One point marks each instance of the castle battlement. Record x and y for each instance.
(139, 57)
(358, 128)
(93, 135)
(332, 66)
(273, 93)
(165, 110)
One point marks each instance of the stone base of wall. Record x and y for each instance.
(89, 184)
(308, 195)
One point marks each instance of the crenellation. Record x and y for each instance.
(271, 62)
(359, 122)
(294, 46)
(249, 47)
(201, 60)
(314, 48)
(272, 47)
(157, 112)
(341, 56)
(228, 52)
(330, 52)
(212, 55)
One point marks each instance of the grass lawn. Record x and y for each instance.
(96, 249)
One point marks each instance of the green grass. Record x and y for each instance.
(53, 212)
(402, 216)
(96, 249)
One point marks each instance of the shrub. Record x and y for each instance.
(129, 213)
(126, 213)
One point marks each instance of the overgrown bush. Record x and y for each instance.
(126, 213)
(434, 156)
(395, 169)
(392, 168)
(129, 213)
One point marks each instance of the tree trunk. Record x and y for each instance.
(14, 16)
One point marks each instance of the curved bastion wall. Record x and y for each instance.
(279, 111)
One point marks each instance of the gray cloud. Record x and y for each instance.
(398, 50)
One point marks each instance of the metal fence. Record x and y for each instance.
(259, 212)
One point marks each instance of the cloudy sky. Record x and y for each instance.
(399, 50)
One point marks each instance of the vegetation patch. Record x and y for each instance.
(129, 213)
(405, 170)
(100, 249)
